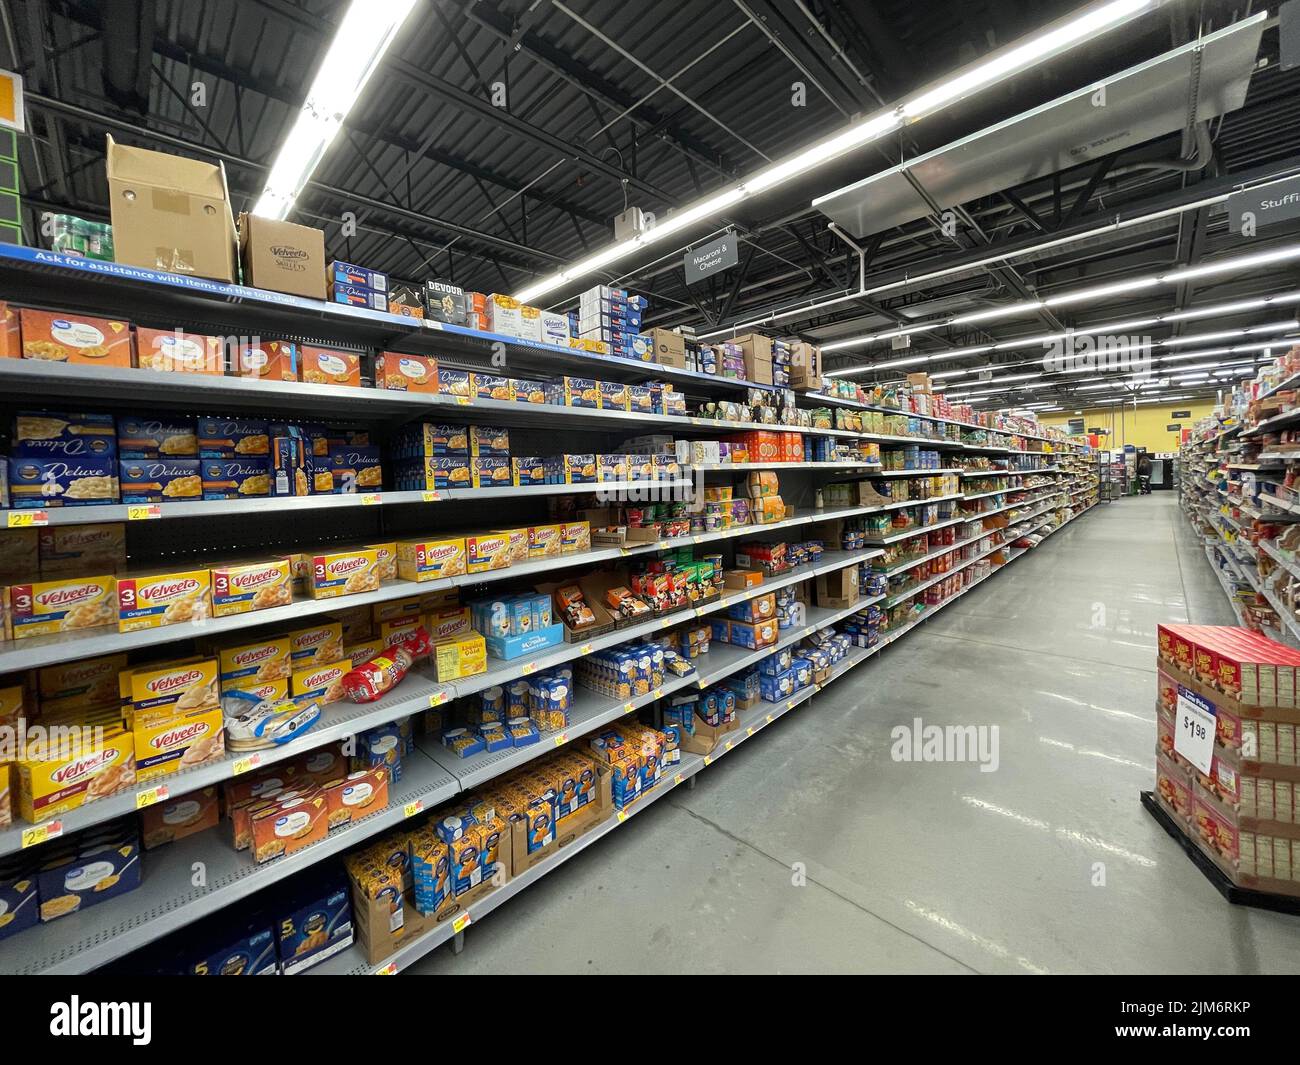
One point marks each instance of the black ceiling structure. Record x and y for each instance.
(500, 138)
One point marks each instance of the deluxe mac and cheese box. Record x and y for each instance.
(76, 482)
(159, 480)
(59, 435)
(235, 478)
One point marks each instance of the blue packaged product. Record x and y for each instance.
(73, 482)
(152, 438)
(19, 902)
(494, 737)
(235, 478)
(541, 611)
(50, 435)
(316, 924)
(233, 438)
(247, 951)
(776, 688)
(802, 668)
(775, 663)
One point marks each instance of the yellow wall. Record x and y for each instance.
(1144, 427)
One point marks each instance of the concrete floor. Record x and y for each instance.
(931, 867)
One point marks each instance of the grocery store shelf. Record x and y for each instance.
(916, 473)
(982, 495)
(744, 467)
(1010, 473)
(912, 563)
(168, 898)
(907, 593)
(918, 530)
(1282, 558)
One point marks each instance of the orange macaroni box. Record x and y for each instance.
(272, 360)
(428, 560)
(288, 826)
(462, 657)
(545, 541)
(59, 606)
(149, 601)
(325, 366)
(254, 663)
(343, 573)
(177, 686)
(167, 743)
(324, 683)
(11, 337)
(242, 587)
(487, 551)
(166, 822)
(356, 795)
(406, 373)
(316, 644)
(62, 336)
(575, 536)
(56, 779)
(176, 351)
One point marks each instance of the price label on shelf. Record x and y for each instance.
(769, 719)
(388, 970)
(369, 499)
(438, 698)
(41, 833)
(150, 796)
(430, 497)
(461, 923)
(561, 739)
(1194, 730)
(528, 667)
(145, 512)
(728, 745)
(749, 729)
(413, 808)
(790, 705)
(243, 765)
(462, 401)
(586, 649)
(665, 623)
(628, 707)
(622, 816)
(658, 693)
(28, 519)
(708, 760)
(677, 778)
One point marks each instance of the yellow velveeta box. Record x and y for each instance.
(242, 587)
(461, 657)
(544, 541)
(385, 560)
(176, 687)
(58, 606)
(151, 600)
(363, 650)
(90, 765)
(575, 536)
(169, 743)
(93, 680)
(488, 551)
(267, 690)
(324, 682)
(427, 560)
(448, 623)
(343, 573)
(255, 663)
(316, 644)
(518, 549)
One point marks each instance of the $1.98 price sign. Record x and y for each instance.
(1194, 729)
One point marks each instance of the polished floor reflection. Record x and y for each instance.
(813, 850)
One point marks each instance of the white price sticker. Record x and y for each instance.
(1194, 730)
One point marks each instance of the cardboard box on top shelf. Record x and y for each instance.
(805, 367)
(282, 256)
(919, 382)
(170, 213)
(669, 348)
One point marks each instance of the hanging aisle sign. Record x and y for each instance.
(715, 257)
(11, 101)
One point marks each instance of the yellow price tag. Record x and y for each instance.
(243, 765)
(628, 707)
(790, 705)
(438, 698)
(769, 719)
(528, 667)
(586, 648)
(430, 497)
(40, 833)
(728, 745)
(749, 730)
(658, 693)
(413, 808)
(698, 539)
(561, 739)
(665, 623)
(699, 611)
(369, 499)
(462, 401)
(143, 513)
(150, 796)
(27, 519)
(664, 545)
(677, 778)
(461, 923)
(708, 760)
(622, 816)
(388, 970)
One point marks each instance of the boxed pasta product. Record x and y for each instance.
(406, 373)
(241, 587)
(90, 681)
(55, 435)
(89, 868)
(166, 822)
(167, 597)
(233, 438)
(355, 468)
(427, 560)
(159, 480)
(254, 663)
(489, 441)
(44, 607)
(343, 572)
(487, 551)
(270, 360)
(62, 336)
(155, 438)
(322, 681)
(175, 351)
(287, 826)
(169, 743)
(54, 778)
(356, 795)
(456, 383)
(325, 366)
(489, 472)
(493, 386)
(173, 687)
(316, 644)
(235, 478)
(76, 549)
(462, 657)
(73, 482)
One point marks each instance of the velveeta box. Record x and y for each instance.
(288, 826)
(60, 606)
(613, 395)
(255, 663)
(242, 587)
(397, 630)
(166, 744)
(493, 386)
(54, 781)
(343, 573)
(77, 549)
(155, 438)
(324, 683)
(396, 608)
(175, 351)
(167, 822)
(233, 438)
(518, 549)
(489, 472)
(575, 536)
(149, 601)
(177, 687)
(448, 623)
(19, 556)
(427, 560)
(91, 680)
(316, 643)
(266, 691)
(159, 480)
(363, 651)
(271, 360)
(385, 560)
(56, 336)
(487, 551)
(325, 366)
(545, 541)
(406, 373)
(235, 478)
(73, 482)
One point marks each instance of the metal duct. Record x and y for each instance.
(128, 32)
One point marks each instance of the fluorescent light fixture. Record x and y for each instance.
(1084, 295)
(1070, 32)
(363, 36)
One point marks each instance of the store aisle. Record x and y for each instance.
(1047, 863)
